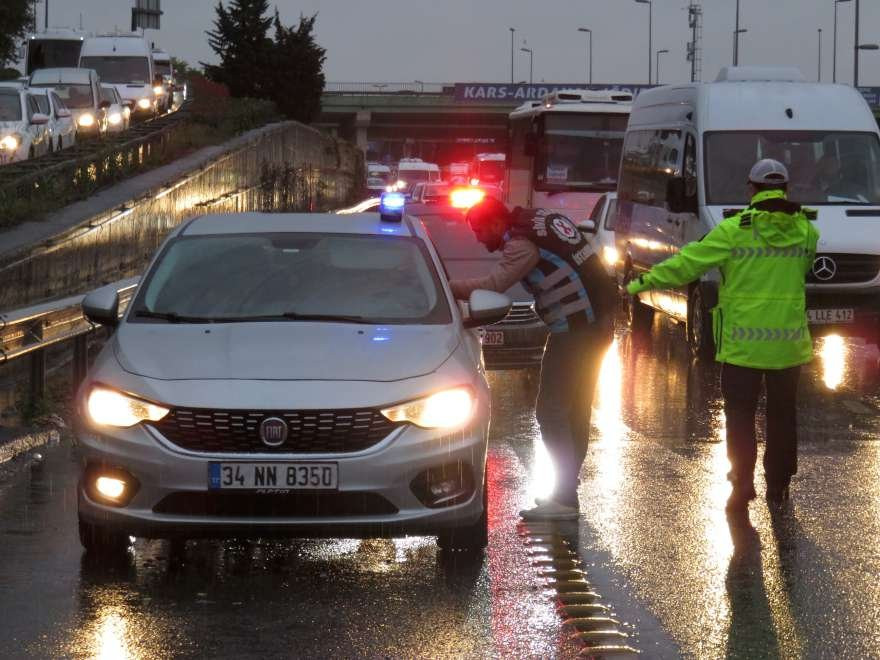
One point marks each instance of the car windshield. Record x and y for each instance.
(119, 69)
(10, 106)
(74, 96)
(108, 93)
(42, 103)
(580, 151)
(825, 167)
(257, 277)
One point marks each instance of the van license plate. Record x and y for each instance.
(828, 316)
(493, 338)
(280, 476)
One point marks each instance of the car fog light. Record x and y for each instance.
(144, 104)
(445, 409)
(446, 485)
(110, 487)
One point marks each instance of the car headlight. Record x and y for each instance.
(610, 254)
(158, 90)
(108, 407)
(144, 104)
(86, 120)
(10, 143)
(114, 118)
(441, 410)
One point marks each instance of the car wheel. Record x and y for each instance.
(98, 540)
(51, 147)
(468, 538)
(31, 153)
(699, 325)
(60, 144)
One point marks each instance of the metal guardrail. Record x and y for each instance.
(33, 330)
(432, 88)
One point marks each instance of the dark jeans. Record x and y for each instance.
(741, 388)
(569, 373)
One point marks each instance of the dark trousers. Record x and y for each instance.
(569, 373)
(741, 388)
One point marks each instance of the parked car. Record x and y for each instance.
(330, 387)
(62, 129)
(431, 193)
(80, 89)
(24, 130)
(601, 226)
(118, 114)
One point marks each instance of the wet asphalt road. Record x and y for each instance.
(653, 539)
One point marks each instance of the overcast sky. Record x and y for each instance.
(468, 40)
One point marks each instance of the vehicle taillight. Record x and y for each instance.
(464, 198)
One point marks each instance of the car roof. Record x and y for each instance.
(368, 224)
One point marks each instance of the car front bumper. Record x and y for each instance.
(375, 497)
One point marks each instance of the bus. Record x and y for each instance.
(488, 169)
(52, 49)
(565, 150)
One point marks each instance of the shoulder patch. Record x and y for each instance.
(564, 229)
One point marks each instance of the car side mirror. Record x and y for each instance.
(587, 226)
(530, 148)
(63, 113)
(39, 119)
(486, 308)
(677, 199)
(104, 104)
(101, 306)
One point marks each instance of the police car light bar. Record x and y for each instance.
(391, 206)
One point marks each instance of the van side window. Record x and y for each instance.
(689, 168)
(650, 159)
(517, 157)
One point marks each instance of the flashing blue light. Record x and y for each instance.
(381, 338)
(392, 201)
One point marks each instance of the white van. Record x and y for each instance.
(411, 171)
(125, 61)
(687, 153)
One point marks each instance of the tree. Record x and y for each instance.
(296, 77)
(240, 40)
(182, 69)
(16, 17)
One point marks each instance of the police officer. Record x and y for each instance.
(575, 297)
(760, 325)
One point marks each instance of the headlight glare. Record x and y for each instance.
(10, 143)
(114, 118)
(108, 407)
(610, 254)
(446, 409)
(144, 104)
(86, 119)
(158, 90)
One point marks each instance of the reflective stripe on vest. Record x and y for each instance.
(571, 308)
(557, 276)
(768, 334)
(557, 294)
(752, 252)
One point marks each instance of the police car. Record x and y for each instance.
(292, 374)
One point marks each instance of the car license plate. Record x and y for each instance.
(281, 476)
(493, 338)
(826, 316)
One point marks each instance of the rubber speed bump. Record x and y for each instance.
(608, 651)
(599, 637)
(585, 609)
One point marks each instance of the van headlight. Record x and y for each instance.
(441, 410)
(106, 407)
(10, 142)
(145, 104)
(86, 120)
(114, 118)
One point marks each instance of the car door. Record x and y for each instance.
(39, 132)
(63, 120)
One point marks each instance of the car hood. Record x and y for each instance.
(7, 127)
(460, 269)
(282, 351)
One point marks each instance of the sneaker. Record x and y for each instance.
(550, 510)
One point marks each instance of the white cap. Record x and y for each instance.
(768, 171)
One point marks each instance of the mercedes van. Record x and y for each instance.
(125, 61)
(686, 157)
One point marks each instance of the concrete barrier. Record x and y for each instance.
(281, 167)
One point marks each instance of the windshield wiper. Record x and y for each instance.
(171, 317)
(343, 318)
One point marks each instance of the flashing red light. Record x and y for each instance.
(464, 198)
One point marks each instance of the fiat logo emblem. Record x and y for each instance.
(273, 431)
(824, 268)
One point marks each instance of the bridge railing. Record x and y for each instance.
(32, 331)
(388, 88)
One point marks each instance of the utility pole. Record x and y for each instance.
(819, 74)
(590, 53)
(657, 68)
(531, 62)
(736, 38)
(856, 49)
(512, 31)
(46, 20)
(695, 23)
(834, 47)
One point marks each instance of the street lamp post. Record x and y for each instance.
(531, 62)
(858, 48)
(736, 34)
(512, 30)
(834, 57)
(657, 68)
(590, 70)
(819, 66)
(650, 4)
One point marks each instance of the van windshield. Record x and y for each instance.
(119, 69)
(825, 167)
(580, 151)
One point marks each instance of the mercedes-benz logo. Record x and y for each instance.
(273, 431)
(824, 268)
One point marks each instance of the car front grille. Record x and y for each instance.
(309, 431)
(520, 313)
(246, 504)
(848, 268)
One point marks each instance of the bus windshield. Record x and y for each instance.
(120, 69)
(490, 171)
(52, 53)
(825, 167)
(579, 151)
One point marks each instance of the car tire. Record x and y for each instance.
(60, 144)
(699, 325)
(31, 153)
(100, 541)
(468, 538)
(51, 147)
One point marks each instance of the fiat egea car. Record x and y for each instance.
(287, 374)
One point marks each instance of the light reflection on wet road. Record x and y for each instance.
(654, 540)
